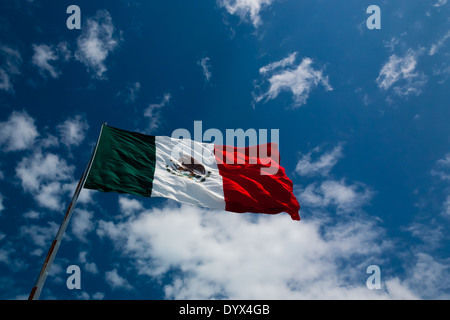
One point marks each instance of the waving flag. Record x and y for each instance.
(202, 174)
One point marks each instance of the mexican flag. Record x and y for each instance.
(202, 174)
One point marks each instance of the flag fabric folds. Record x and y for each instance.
(202, 174)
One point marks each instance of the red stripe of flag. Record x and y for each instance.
(247, 188)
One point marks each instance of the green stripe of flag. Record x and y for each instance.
(124, 163)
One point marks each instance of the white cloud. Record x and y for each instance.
(49, 196)
(442, 168)
(5, 255)
(63, 51)
(246, 8)
(400, 74)
(48, 142)
(98, 296)
(337, 194)
(116, 281)
(446, 210)
(307, 167)
(428, 277)
(40, 235)
(9, 257)
(10, 62)
(2, 207)
(96, 42)
(18, 132)
(397, 68)
(219, 255)
(231, 256)
(47, 58)
(445, 162)
(440, 3)
(430, 234)
(206, 68)
(131, 93)
(12, 59)
(129, 206)
(153, 112)
(5, 82)
(88, 266)
(392, 43)
(399, 290)
(288, 61)
(439, 44)
(72, 131)
(31, 215)
(299, 80)
(39, 168)
(82, 223)
(45, 177)
(85, 195)
(42, 58)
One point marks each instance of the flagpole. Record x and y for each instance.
(36, 291)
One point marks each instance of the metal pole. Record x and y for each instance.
(36, 291)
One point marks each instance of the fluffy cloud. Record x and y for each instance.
(5, 82)
(39, 168)
(88, 266)
(82, 223)
(246, 8)
(206, 68)
(96, 42)
(340, 195)
(129, 206)
(427, 278)
(439, 44)
(307, 167)
(116, 281)
(72, 131)
(299, 79)
(400, 74)
(153, 112)
(39, 235)
(46, 57)
(131, 93)
(10, 62)
(44, 176)
(440, 3)
(430, 233)
(446, 210)
(225, 255)
(2, 207)
(288, 61)
(442, 168)
(18, 132)
(42, 58)
(7, 257)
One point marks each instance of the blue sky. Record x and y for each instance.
(363, 119)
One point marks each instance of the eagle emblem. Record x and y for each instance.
(188, 167)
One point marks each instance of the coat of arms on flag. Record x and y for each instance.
(188, 167)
